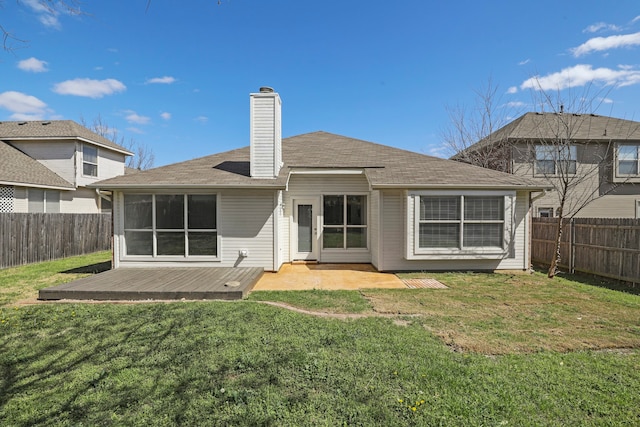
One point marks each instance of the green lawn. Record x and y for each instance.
(246, 363)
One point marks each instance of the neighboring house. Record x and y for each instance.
(599, 155)
(45, 166)
(320, 197)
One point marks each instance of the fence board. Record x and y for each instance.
(34, 237)
(608, 247)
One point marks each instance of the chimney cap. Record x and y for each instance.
(266, 89)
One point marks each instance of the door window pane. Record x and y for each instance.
(356, 237)
(333, 238)
(333, 210)
(356, 210)
(305, 228)
(169, 212)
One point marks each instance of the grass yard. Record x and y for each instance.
(246, 363)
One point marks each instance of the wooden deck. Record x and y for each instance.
(193, 283)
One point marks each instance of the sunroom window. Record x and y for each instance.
(170, 225)
(345, 222)
(459, 222)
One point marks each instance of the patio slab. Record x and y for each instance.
(293, 277)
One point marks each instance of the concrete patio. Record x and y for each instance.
(297, 277)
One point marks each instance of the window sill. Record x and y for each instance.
(468, 253)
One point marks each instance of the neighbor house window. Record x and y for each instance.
(171, 225)
(345, 222)
(89, 160)
(555, 159)
(43, 201)
(545, 212)
(457, 222)
(628, 159)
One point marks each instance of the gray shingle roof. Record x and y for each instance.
(17, 168)
(384, 167)
(548, 126)
(54, 129)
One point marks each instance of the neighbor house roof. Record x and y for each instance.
(55, 129)
(548, 126)
(16, 168)
(384, 166)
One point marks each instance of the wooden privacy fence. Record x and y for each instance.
(608, 247)
(34, 237)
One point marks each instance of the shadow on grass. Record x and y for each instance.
(90, 269)
(593, 280)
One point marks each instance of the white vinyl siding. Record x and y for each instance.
(55, 155)
(266, 144)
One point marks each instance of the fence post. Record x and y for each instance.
(572, 245)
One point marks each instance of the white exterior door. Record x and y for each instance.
(304, 236)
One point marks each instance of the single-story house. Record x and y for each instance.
(320, 197)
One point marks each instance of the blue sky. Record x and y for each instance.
(176, 76)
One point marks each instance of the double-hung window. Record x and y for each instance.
(43, 201)
(345, 222)
(556, 159)
(89, 160)
(460, 222)
(171, 225)
(628, 160)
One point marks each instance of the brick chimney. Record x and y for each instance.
(266, 133)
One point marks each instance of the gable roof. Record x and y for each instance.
(547, 126)
(55, 129)
(384, 166)
(16, 168)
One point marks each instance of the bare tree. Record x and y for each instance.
(476, 126)
(143, 157)
(10, 41)
(572, 153)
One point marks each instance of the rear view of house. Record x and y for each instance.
(320, 197)
(46, 166)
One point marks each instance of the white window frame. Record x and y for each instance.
(414, 251)
(551, 153)
(624, 177)
(154, 231)
(87, 162)
(345, 226)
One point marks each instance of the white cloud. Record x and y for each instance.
(515, 104)
(202, 119)
(580, 75)
(512, 90)
(636, 19)
(133, 117)
(165, 116)
(23, 106)
(600, 26)
(525, 62)
(162, 80)
(47, 15)
(135, 130)
(34, 65)
(606, 100)
(89, 88)
(597, 44)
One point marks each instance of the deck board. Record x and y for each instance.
(195, 283)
